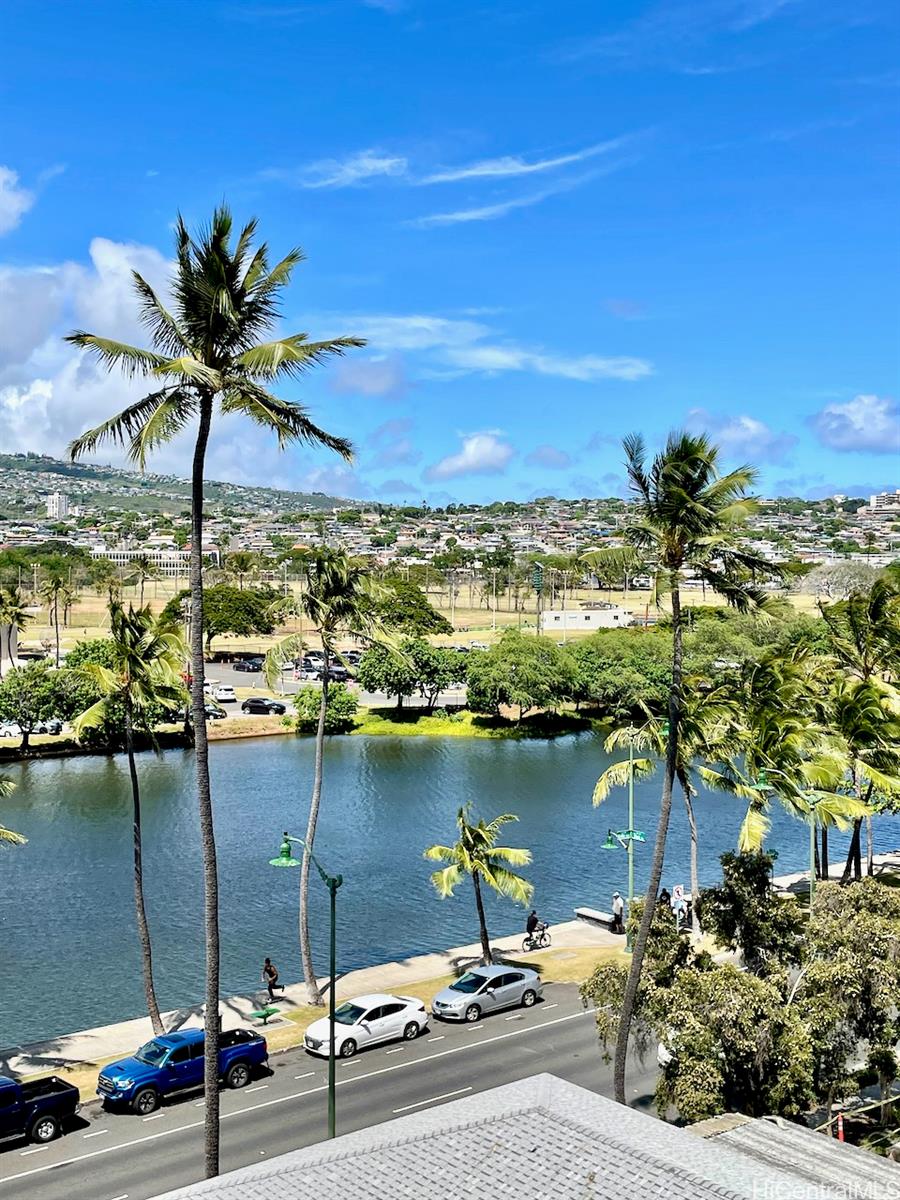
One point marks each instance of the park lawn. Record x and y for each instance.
(556, 966)
(412, 722)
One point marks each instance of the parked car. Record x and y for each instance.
(338, 674)
(10, 729)
(173, 1063)
(36, 1111)
(366, 1021)
(248, 664)
(224, 693)
(213, 713)
(264, 706)
(485, 990)
(308, 674)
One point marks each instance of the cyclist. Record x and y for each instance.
(533, 923)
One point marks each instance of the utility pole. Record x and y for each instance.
(494, 596)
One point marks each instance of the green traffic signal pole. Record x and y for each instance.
(332, 882)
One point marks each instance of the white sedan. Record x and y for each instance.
(366, 1021)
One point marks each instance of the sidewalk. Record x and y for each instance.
(91, 1046)
(798, 881)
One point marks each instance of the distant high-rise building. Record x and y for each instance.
(57, 505)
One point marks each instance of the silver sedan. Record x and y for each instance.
(484, 990)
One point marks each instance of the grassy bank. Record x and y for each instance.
(411, 722)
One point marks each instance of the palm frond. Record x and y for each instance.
(507, 883)
(616, 776)
(508, 854)
(754, 828)
(131, 359)
(293, 355)
(287, 420)
(446, 880)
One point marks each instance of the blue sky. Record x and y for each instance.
(555, 223)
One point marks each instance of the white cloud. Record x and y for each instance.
(865, 423)
(484, 453)
(392, 446)
(509, 165)
(15, 200)
(742, 437)
(464, 346)
(341, 173)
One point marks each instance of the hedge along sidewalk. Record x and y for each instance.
(576, 947)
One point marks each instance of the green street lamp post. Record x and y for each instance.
(813, 805)
(332, 882)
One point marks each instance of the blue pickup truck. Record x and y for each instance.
(173, 1062)
(37, 1111)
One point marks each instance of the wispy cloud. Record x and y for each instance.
(466, 347)
(511, 165)
(811, 127)
(341, 173)
(743, 436)
(867, 423)
(492, 212)
(15, 200)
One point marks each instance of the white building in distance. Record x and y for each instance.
(587, 616)
(57, 506)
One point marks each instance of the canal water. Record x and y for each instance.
(68, 952)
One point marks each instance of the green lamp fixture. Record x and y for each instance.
(285, 857)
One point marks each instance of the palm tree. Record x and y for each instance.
(338, 599)
(689, 516)
(241, 563)
(143, 568)
(147, 656)
(864, 631)
(7, 836)
(52, 588)
(206, 353)
(477, 855)
(104, 576)
(707, 719)
(14, 615)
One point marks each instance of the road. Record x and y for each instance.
(119, 1156)
(225, 673)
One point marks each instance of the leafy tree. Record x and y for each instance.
(147, 655)
(340, 709)
(744, 914)
(414, 666)
(208, 354)
(688, 517)
(227, 609)
(838, 580)
(406, 608)
(339, 598)
(33, 694)
(381, 669)
(621, 671)
(477, 855)
(142, 569)
(520, 671)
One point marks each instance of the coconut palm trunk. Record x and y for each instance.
(695, 876)
(870, 848)
(486, 956)
(309, 974)
(56, 623)
(139, 906)
(639, 948)
(823, 860)
(204, 801)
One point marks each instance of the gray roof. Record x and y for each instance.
(537, 1139)
(837, 1168)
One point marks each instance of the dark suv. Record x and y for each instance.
(263, 706)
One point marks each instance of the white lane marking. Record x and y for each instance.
(308, 1075)
(514, 1017)
(474, 1028)
(432, 1100)
(356, 1063)
(238, 1112)
(124, 1196)
(440, 1038)
(260, 1087)
(36, 1150)
(96, 1133)
(396, 1050)
(155, 1117)
(547, 1007)
(199, 1103)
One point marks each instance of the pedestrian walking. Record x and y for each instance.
(665, 900)
(618, 907)
(270, 978)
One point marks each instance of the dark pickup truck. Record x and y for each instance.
(38, 1110)
(173, 1062)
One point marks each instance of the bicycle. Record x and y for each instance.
(539, 940)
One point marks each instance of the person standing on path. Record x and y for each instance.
(618, 907)
(270, 978)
